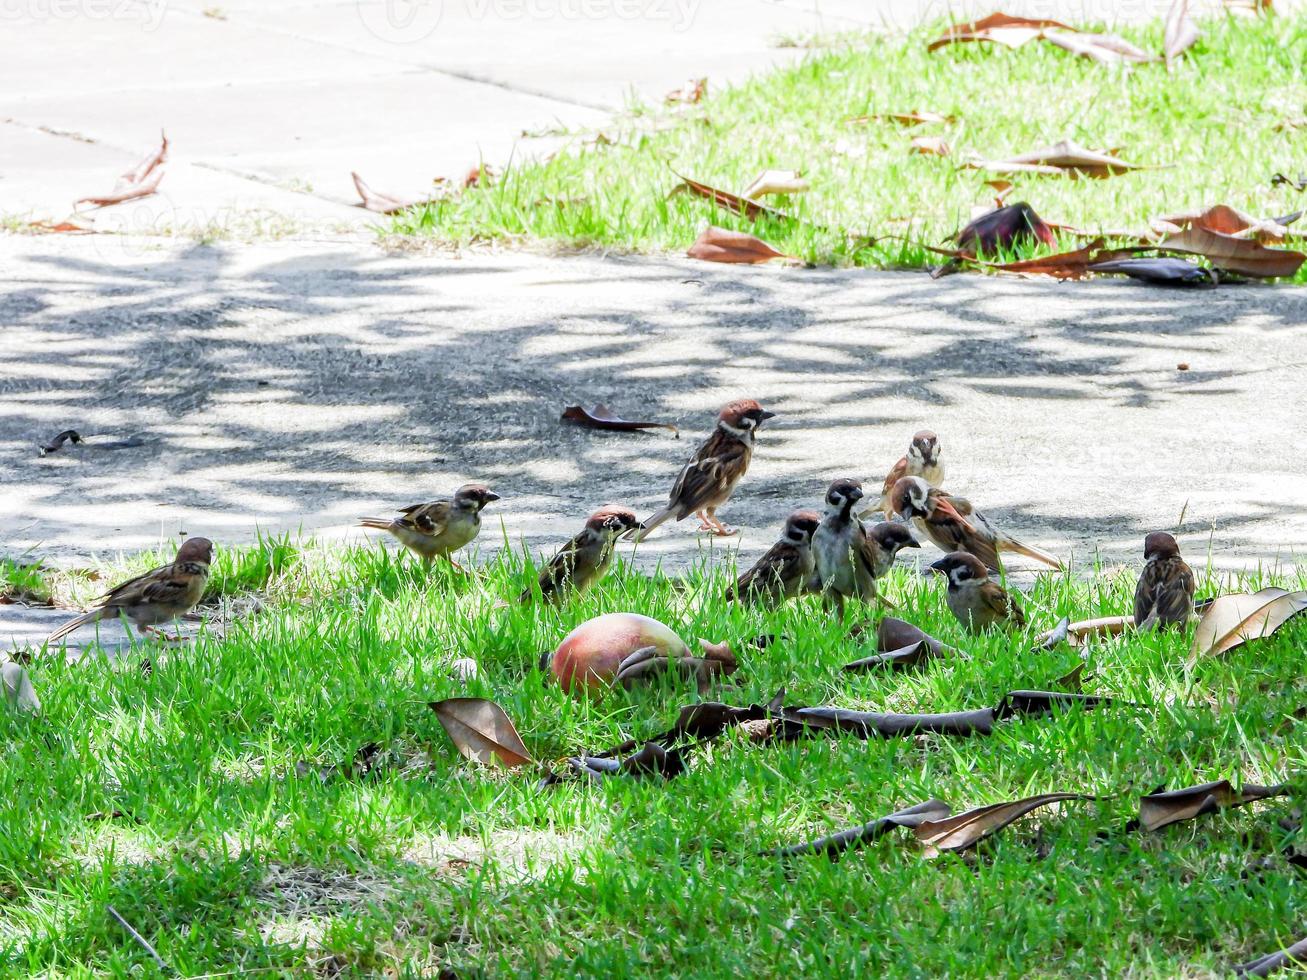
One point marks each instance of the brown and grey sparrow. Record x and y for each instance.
(1165, 594)
(921, 460)
(585, 559)
(973, 598)
(954, 525)
(784, 571)
(884, 542)
(438, 529)
(155, 597)
(844, 562)
(710, 476)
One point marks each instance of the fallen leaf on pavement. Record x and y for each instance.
(967, 829)
(836, 844)
(141, 181)
(602, 417)
(482, 731)
(1264, 966)
(1159, 271)
(383, 203)
(1064, 157)
(691, 93)
(1235, 619)
(1063, 265)
(1163, 808)
(776, 182)
(732, 202)
(61, 227)
(719, 245)
(930, 146)
(55, 444)
(1181, 31)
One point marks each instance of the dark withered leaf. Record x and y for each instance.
(1035, 703)
(482, 731)
(836, 844)
(1160, 271)
(742, 206)
(1004, 228)
(1165, 807)
(967, 829)
(1264, 966)
(603, 417)
(55, 444)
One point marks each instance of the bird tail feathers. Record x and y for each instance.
(1011, 544)
(93, 616)
(652, 524)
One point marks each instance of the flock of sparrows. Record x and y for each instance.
(833, 554)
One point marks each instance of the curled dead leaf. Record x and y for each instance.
(141, 181)
(915, 118)
(482, 731)
(602, 417)
(691, 93)
(383, 203)
(1163, 808)
(997, 28)
(725, 199)
(1232, 620)
(1064, 157)
(1003, 228)
(720, 245)
(935, 146)
(1160, 271)
(901, 645)
(836, 844)
(967, 829)
(776, 182)
(1181, 31)
(1264, 966)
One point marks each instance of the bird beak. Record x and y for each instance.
(765, 416)
(937, 567)
(491, 496)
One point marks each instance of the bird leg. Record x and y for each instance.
(705, 524)
(717, 527)
(455, 565)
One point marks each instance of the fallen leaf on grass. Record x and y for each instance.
(602, 417)
(1294, 122)
(1224, 220)
(1299, 185)
(142, 181)
(62, 227)
(691, 93)
(1249, 8)
(1062, 158)
(903, 118)
(901, 645)
(1107, 49)
(967, 829)
(1241, 255)
(55, 444)
(1062, 265)
(383, 203)
(1181, 32)
(652, 760)
(1159, 271)
(18, 690)
(836, 844)
(649, 663)
(1004, 228)
(776, 182)
(1163, 808)
(1232, 620)
(998, 28)
(482, 731)
(1002, 188)
(935, 146)
(731, 202)
(719, 245)
(1264, 966)
(1076, 633)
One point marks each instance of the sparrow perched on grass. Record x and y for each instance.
(784, 571)
(438, 529)
(157, 596)
(710, 476)
(921, 460)
(884, 542)
(584, 560)
(954, 525)
(977, 602)
(844, 562)
(1165, 594)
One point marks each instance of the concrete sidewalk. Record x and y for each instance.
(292, 386)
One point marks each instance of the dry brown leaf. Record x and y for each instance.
(61, 227)
(1264, 966)
(732, 202)
(1241, 255)
(899, 645)
(836, 844)
(1249, 8)
(482, 731)
(1181, 31)
(998, 28)
(1222, 219)
(935, 146)
(602, 417)
(1232, 620)
(1002, 188)
(719, 245)
(1163, 808)
(1295, 122)
(776, 182)
(381, 202)
(915, 118)
(141, 181)
(1064, 265)
(1064, 157)
(691, 93)
(969, 828)
(1003, 228)
(1077, 633)
(1107, 49)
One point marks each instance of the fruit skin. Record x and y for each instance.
(589, 656)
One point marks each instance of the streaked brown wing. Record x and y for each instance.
(1003, 605)
(706, 477)
(899, 471)
(428, 518)
(555, 576)
(130, 590)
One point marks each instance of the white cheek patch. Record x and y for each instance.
(742, 434)
(959, 576)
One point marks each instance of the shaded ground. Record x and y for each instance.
(287, 387)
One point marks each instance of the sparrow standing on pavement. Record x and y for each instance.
(438, 529)
(844, 563)
(922, 460)
(710, 476)
(1165, 594)
(977, 602)
(953, 525)
(157, 596)
(783, 572)
(585, 559)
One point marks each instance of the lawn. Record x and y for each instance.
(1214, 129)
(192, 798)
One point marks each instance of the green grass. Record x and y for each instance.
(229, 862)
(1208, 125)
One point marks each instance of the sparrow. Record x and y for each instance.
(155, 597)
(922, 460)
(1165, 594)
(707, 480)
(884, 542)
(977, 602)
(844, 561)
(785, 570)
(585, 559)
(954, 525)
(438, 529)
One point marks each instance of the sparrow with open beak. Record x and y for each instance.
(973, 598)
(438, 529)
(922, 460)
(953, 525)
(784, 571)
(708, 479)
(585, 559)
(1165, 594)
(157, 596)
(844, 561)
